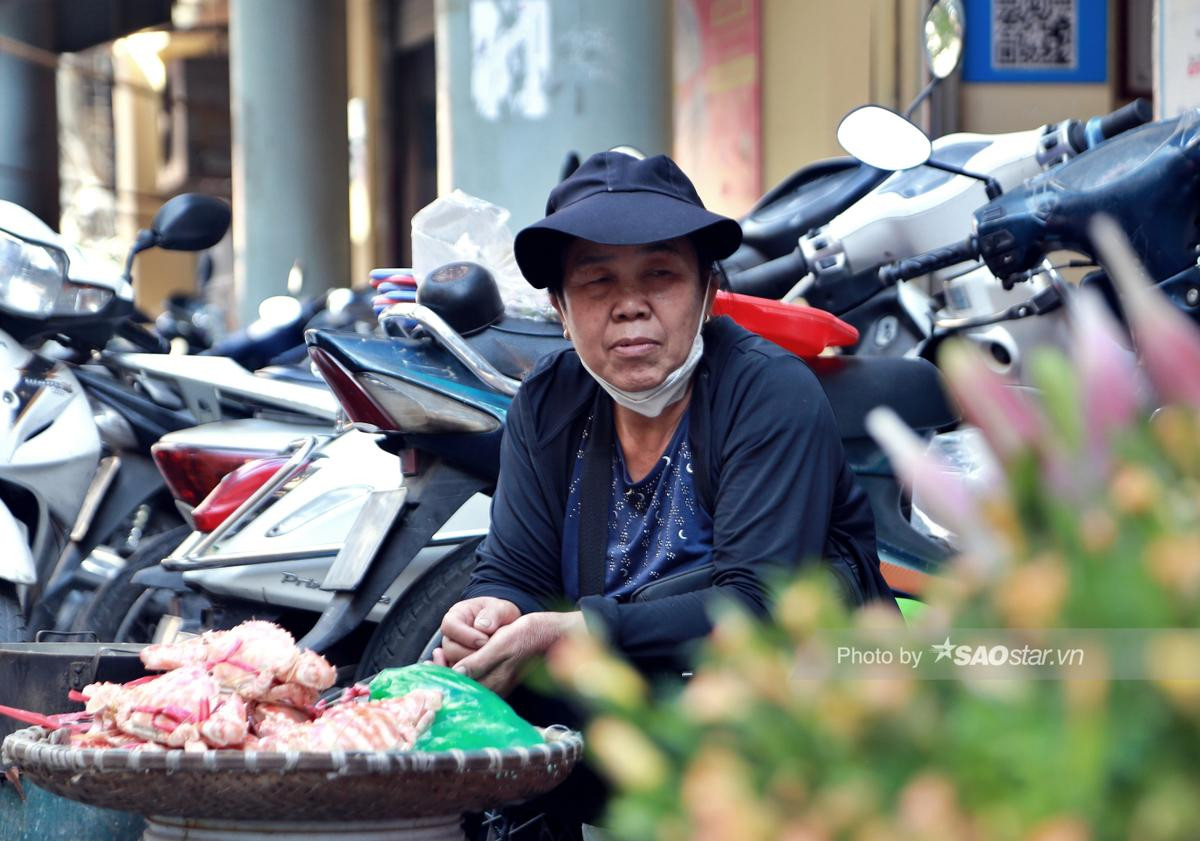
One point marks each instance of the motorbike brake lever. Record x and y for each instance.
(1043, 302)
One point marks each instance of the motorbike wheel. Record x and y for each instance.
(12, 620)
(113, 601)
(417, 614)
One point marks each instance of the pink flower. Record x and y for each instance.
(997, 405)
(1167, 340)
(945, 495)
(948, 499)
(1107, 372)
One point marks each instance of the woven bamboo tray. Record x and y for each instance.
(294, 786)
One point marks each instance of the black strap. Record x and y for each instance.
(699, 438)
(594, 491)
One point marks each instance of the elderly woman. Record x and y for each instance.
(667, 459)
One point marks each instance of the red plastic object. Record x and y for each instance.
(233, 490)
(359, 405)
(805, 331)
(192, 472)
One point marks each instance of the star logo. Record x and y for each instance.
(943, 650)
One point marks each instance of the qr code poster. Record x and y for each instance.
(1036, 41)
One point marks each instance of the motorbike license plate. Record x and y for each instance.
(370, 528)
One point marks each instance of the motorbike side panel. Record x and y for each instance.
(219, 375)
(48, 437)
(16, 561)
(297, 584)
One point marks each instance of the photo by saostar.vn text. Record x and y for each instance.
(1121, 654)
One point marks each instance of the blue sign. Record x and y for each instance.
(1036, 41)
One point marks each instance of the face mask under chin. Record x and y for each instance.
(652, 402)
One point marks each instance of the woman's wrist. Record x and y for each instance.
(551, 626)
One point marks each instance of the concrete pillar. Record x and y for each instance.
(290, 188)
(28, 112)
(523, 82)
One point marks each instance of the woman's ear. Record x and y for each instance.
(710, 293)
(559, 305)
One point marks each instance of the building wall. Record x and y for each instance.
(822, 59)
(1000, 107)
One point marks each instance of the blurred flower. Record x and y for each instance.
(716, 695)
(1176, 430)
(945, 496)
(1031, 594)
(845, 803)
(1090, 693)
(582, 663)
(1097, 531)
(1171, 659)
(1134, 490)
(1174, 561)
(804, 830)
(626, 755)
(719, 799)
(994, 403)
(929, 809)
(1060, 829)
(800, 607)
(1107, 374)
(1167, 340)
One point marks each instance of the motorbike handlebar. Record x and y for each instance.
(772, 278)
(142, 338)
(930, 261)
(1123, 119)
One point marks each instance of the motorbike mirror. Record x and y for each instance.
(881, 138)
(944, 37)
(190, 222)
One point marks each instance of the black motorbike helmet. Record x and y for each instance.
(465, 295)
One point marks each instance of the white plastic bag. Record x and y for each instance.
(462, 227)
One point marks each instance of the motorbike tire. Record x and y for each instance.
(412, 621)
(12, 620)
(108, 608)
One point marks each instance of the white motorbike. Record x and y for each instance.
(823, 234)
(50, 442)
(78, 487)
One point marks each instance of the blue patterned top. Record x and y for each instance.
(656, 527)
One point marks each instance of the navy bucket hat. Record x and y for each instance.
(617, 199)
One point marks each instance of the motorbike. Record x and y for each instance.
(129, 400)
(63, 485)
(822, 234)
(1149, 173)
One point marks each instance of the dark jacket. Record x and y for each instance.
(777, 486)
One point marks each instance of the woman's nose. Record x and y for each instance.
(631, 303)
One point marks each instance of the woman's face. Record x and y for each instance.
(632, 310)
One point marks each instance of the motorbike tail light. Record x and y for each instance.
(805, 331)
(414, 408)
(360, 406)
(233, 490)
(192, 472)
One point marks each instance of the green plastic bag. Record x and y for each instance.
(472, 716)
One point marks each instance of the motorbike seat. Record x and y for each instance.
(301, 373)
(912, 388)
(514, 345)
(807, 199)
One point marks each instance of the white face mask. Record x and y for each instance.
(651, 402)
